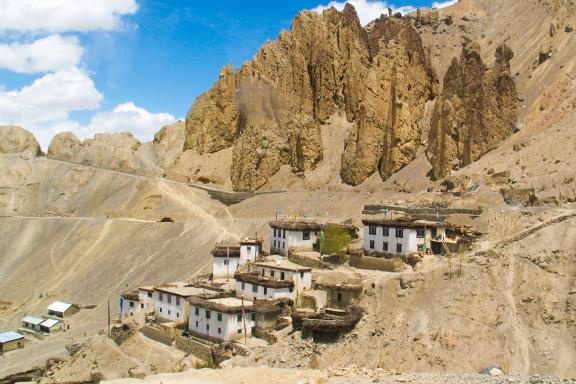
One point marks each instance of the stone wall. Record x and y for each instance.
(374, 263)
(163, 335)
(200, 349)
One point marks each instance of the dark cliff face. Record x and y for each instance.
(271, 110)
(477, 110)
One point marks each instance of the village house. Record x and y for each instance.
(170, 304)
(401, 236)
(219, 318)
(274, 279)
(146, 298)
(225, 261)
(62, 310)
(250, 249)
(31, 323)
(10, 341)
(295, 235)
(130, 303)
(50, 326)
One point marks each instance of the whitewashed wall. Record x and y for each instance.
(409, 242)
(286, 239)
(226, 329)
(246, 291)
(146, 302)
(248, 252)
(171, 311)
(219, 268)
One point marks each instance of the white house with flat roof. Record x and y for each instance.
(170, 302)
(249, 250)
(225, 261)
(130, 302)
(274, 279)
(50, 326)
(146, 298)
(62, 310)
(32, 323)
(400, 236)
(298, 235)
(10, 341)
(221, 318)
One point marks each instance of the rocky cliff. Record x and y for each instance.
(14, 139)
(272, 109)
(477, 110)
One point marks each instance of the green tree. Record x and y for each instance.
(334, 240)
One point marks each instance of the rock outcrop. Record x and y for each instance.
(14, 139)
(272, 109)
(477, 110)
(114, 151)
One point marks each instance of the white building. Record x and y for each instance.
(401, 236)
(170, 301)
(225, 261)
(298, 235)
(32, 323)
(62, 310)
(221, 318)
(130, 302)
(274, 279)
(50, 326)
(146, 298)
(249, 250)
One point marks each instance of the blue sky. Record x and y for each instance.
(130, 65)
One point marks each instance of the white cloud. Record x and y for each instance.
(443, 4)
(48, 101)
(51, 53)
(64, 15)
(128, 117)
(367, 10)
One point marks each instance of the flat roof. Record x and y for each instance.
(10, 336)
(50, 323)
(32, 320)
(251, 240)
(183, 291)
(404, 223)
(296, 225)
(283, 265)
(148, 288)
(59, 306)
(230, 301)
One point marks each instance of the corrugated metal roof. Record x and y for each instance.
(32, 320)
(50, 323)
(59, 306)
(9, 336)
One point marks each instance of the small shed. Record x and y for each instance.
(62, 310)
(50, 326)
(10, 341)
(32, 323)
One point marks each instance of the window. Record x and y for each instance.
(262, 272)
(434, 232)
(420, 233)
(284, 234)
(249, 249)
(207, 314)
(306, 235)
(265, 290)
(149, 294)
(207, 327)
(239, 318)
(178, 314)
(219, 317)
(243, 286)
(225, 262)
(385, 246)
(385, 231)
(160, 310)
(290, 289)
(240, 330)
(302, 274)
(177, 300)
(219, 330)
(372, 230)
(253, 317)
(169, 297)
(371, 244)
(131, 304)
(161, 296)
(399, 233)
(281, 275)
(254, 288)
(141, 305)
(168, 311)
(398, 248)
(274, 243)
(283, 245)
(196, 324)
(339, 297)
(274, 232)
(271, 273)
(197, 311)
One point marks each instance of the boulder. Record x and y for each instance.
(14, 139)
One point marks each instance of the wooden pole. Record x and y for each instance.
(109, 328)
(243, 319)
